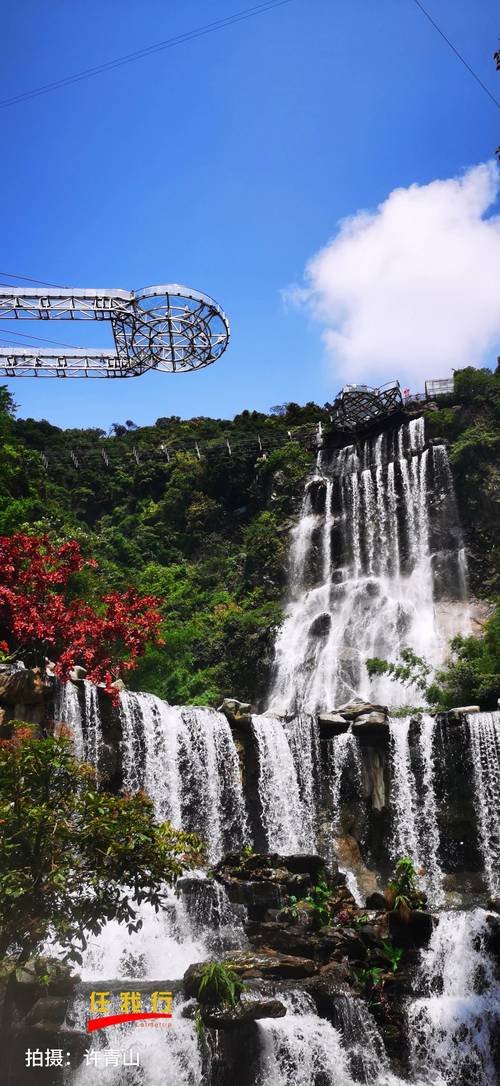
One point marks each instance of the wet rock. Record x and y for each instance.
(238, 713)
(332, 724)
(334, 980)
(321, 626)
(351, 946)
(258, 897)
(295, 939)
(245, 1011)
(268, 963)
(494, 903)
(48, 1010)
(376, 901)
(349, 856)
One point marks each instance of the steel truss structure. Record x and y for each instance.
(357, 406)
(170, 328)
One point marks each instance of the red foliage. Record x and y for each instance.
(39, 616)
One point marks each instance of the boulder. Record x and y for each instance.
(308, 863)
(352, 709)
(258, 897)
(415, 932)
(349, 856)
(367, 722)
(48, 1010)
(45, 1036)
(238, 713)
(245, 1011)
(22, 687)
(263, 964)
(376, 901)
(332, 724)
(78, 674)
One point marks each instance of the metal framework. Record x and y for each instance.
(357, 406)
(170, 328)
(443, 386)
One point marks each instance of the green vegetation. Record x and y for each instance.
(219, 985)
(393, 953)
(470, 423)
(319, 899)
(208, 536)
(402, 891)
(370, 976)
(69, 850)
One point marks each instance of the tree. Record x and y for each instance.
(73, 857)
(40, 616)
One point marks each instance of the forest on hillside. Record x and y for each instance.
(198, 512)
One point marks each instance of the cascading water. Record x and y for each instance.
(377, 543)
(184, 758)
(163, 947)
(166, 1056)
(343, 755)
(484, 731)
(186, 761)
(452, 1027)
(287, 755)
(303, 1049)
(413, 801)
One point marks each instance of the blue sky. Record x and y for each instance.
(226, 164)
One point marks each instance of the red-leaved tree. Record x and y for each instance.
(39, 617)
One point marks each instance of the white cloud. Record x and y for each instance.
(412, 289)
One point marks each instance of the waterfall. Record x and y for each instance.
(413, 801)
(167, 1056)
(68, 712)
(301, 1048)
(184, 758)
(428, 822)
(453, 1025)
(404, 840)
(78, 708)
(163, 947)
(484, 729)
(376, 546)
(365, 1048)
(342, 753)
(287, 755)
